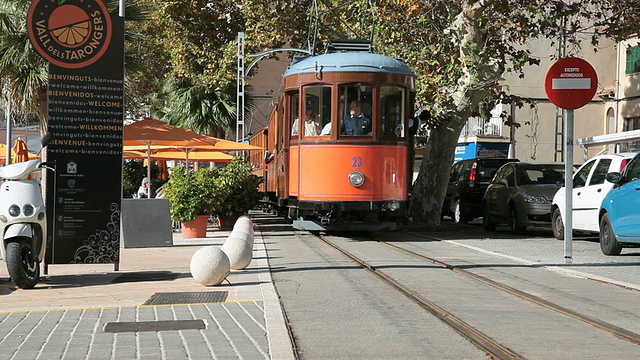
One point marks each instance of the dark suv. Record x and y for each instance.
(468, 181)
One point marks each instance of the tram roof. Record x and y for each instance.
(349, 61)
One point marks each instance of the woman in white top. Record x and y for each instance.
(311, 124)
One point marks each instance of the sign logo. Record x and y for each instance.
(69, 33)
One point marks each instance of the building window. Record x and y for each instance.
(631, 123)
(633, 60)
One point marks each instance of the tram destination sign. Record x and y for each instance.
(571, 83)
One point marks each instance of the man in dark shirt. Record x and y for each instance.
(357, 123)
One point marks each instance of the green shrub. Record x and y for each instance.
(236, 190)
(225, 192)
(190, 194)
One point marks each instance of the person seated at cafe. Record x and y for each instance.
(143, 190)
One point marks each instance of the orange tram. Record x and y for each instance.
(338, 146)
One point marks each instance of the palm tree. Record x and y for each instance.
(23, 73)
(189, 104)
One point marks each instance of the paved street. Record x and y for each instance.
(153, 308)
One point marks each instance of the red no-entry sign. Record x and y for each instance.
(571, 83)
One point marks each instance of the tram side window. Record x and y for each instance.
(356, 107)
(392, 111)
(317, 110)
(294, 108)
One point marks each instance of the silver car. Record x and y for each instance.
(520, 195)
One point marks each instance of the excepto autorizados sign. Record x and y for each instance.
(69, 33)
(571, 83)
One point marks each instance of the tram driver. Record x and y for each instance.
(357, 123)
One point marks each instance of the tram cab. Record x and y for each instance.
(343, 159)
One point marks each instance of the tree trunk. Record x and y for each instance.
(431, 186)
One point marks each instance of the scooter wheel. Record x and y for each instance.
(23, 272)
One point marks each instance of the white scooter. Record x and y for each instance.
(23, 221)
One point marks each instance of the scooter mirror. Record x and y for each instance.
(46, 139)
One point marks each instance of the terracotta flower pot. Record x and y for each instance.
(227, 222)
(196, 228)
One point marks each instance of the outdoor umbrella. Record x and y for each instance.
(174, 154)
(149, 132)
(20, 151)
(3, 150)
(164, 170)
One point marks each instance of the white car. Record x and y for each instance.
(589, 188)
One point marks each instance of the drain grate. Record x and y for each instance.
(145, 276)
(187, 298)
(165, 325)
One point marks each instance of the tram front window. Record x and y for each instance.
(294, 108)
(317, 100)
(355, 110)
(392, 111)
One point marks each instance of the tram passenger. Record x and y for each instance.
(326, 130)
(311, 123)
(357, 123)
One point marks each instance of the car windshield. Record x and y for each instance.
(540, 174)
(486, 170)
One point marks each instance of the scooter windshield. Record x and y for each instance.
(18, 171)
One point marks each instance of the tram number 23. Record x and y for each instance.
(356, 162)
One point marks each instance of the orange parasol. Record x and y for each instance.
(164, 170)
(3, 150)
(20, 151)
(149, 132)
(174, 154)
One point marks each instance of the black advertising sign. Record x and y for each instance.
(84, 45)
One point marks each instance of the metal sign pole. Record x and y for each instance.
(8, 110)
(568, 185)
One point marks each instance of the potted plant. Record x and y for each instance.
(236, 192)
(189, 196)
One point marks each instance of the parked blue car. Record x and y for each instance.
(620, 210)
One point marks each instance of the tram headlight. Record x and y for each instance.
(14, 210)
(356, 179)
(28, 210)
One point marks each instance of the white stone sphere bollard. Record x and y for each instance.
(244, 229)
(239, 250)
(210, 265)
(244, 219)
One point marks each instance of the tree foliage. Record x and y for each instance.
(458, 49)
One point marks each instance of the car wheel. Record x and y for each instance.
(488, 224)
(556, 225)
(514, 223)
(458, 215)
(608, 243)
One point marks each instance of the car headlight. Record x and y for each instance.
(28, 210)
(14, 210)
(356, 179)
(528, 198)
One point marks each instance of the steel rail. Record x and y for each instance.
(602, 325)
(479, 339)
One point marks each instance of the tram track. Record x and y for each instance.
(486, 343)
(478, 338)
(602, 325)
